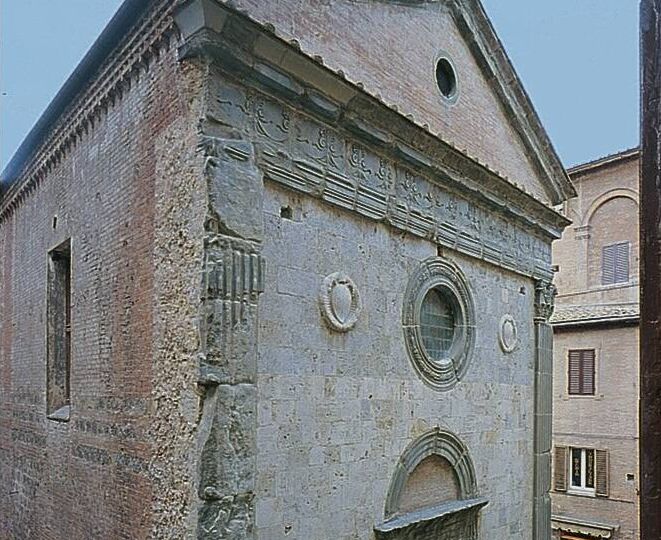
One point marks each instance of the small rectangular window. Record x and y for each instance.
(615, 263)
(58, 321)
(588, 471)
(580, 376)
(582, 468)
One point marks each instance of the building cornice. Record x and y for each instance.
(499, 71)
(598, 314)
(125, 48)
(624, 155)
(261, 58)
(479, 35)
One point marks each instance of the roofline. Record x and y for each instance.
(622, 320)
(110, 37)
(130, 10)
(603, 161)
(557, 174)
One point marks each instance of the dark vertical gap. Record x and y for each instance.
(58, 362)
(66, 269)
(581, 373)
(650, 274)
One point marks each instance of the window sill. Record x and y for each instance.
(621, 285)
(579, 397)
(581, 492)
(61, 415)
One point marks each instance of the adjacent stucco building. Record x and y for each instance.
(595, 402)
(281, 270)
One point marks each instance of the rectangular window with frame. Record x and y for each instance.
(582, 471)
(581, 372)
(58, 332)
(615, 263)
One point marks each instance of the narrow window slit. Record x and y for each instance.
(58, 363)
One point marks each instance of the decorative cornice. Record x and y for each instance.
(480, 36)
(624, 155)
(103, 76)
(311, 157)
(210, 28)
(262, 59)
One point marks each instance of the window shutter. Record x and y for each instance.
(560, 469)
(574, 376)
(587, 386)
(601, 487)
(608, 265)
(622, 262)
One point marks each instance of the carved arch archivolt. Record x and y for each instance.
(435, 442)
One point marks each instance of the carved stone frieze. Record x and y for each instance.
(400, 189)
(233, 280)
(339, 301)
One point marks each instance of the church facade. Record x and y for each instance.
(281, 270)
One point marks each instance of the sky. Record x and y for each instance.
(578, 60)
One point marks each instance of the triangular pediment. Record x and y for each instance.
(391, 49)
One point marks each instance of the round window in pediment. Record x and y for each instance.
(446, 78)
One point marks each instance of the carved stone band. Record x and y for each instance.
(339, 301)
(508, 334)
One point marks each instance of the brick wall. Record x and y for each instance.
(604, 212)
(94, 476)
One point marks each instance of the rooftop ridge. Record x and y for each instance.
(604, 160)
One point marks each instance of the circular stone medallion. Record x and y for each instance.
(339, 302)
(508, 335)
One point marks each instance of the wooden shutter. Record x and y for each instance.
(621, 262)
(574, 374)
(587, 372)
(560, 469)
(601, 466)
(608, 265)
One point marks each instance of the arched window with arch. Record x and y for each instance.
(433, 492)
(613, 242)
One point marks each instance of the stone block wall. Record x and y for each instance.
(336, 410)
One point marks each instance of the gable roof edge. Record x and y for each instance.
(493, 58)
(124, 18)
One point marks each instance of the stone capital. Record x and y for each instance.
(545, 293)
